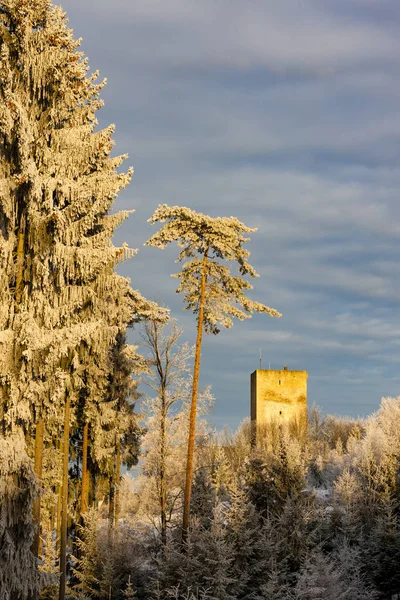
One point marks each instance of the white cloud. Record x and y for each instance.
(286, 115)
(229, 33)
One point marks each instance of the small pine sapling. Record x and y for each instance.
(129, 593)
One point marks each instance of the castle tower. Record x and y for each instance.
(279, 396)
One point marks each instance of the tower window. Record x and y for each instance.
(279, 382)
(280, 412)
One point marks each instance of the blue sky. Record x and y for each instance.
(286, 115)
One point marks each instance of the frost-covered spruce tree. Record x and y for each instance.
(245, 534)
(57, 185)
(18, 577)
(87, 565)
(108, 423)
(110, 432)
(124, 431)
(129, 593)
(211, 292)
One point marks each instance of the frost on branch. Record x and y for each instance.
(18, 488)
(62, 306)
(206, 244)
(59, 294)
(58, 182)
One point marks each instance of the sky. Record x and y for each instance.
(286, 115)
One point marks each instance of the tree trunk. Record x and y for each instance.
(19, 281)
(64, 504)
(117, 487)
(193, 406)
(53, 517)
(36, 546)
(85, 481)
(58, 522)
(111, 506)
(163, 490)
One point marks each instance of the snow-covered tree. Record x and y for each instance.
(114, 441)
(246, 534)
(129, 593)
(108, 423)
(169, 364)
(61, 302)
(210, 290)
(203, 498)
(87, 565)
(18, 487)
(274, 477)
(207, 565)
(380, 551)
(107, 577)
(332, 577)
(166, 411)
(58, 184)
(321, 578)
(49, 563)
(274, 588)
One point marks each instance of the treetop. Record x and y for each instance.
(197, 233)
(204, 240)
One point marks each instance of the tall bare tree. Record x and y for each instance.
(168, 362)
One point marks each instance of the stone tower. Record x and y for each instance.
(279, 396)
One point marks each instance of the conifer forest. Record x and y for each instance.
(110, 491)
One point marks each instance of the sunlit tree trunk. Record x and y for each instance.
(59, 502)
(117, 487)
(193, 406)
(64, 501)
(53, 523)
(111, 505)
(58, 519)
(163, 487)
(85, 479)
(19, 281)
(38, 465)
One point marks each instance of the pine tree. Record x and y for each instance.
(333, 577)
(106, 586)
(61, 303)
(110, 430)
(218, 575)
(274, 588)
(211, 292)
(321, 578)
(349, 558)
(18, 576)
(87, 566)
(206, 567)
(129, 593)
(203, 498)
(222, 475)
(246, 534)
(58, 183)
(381, 552)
